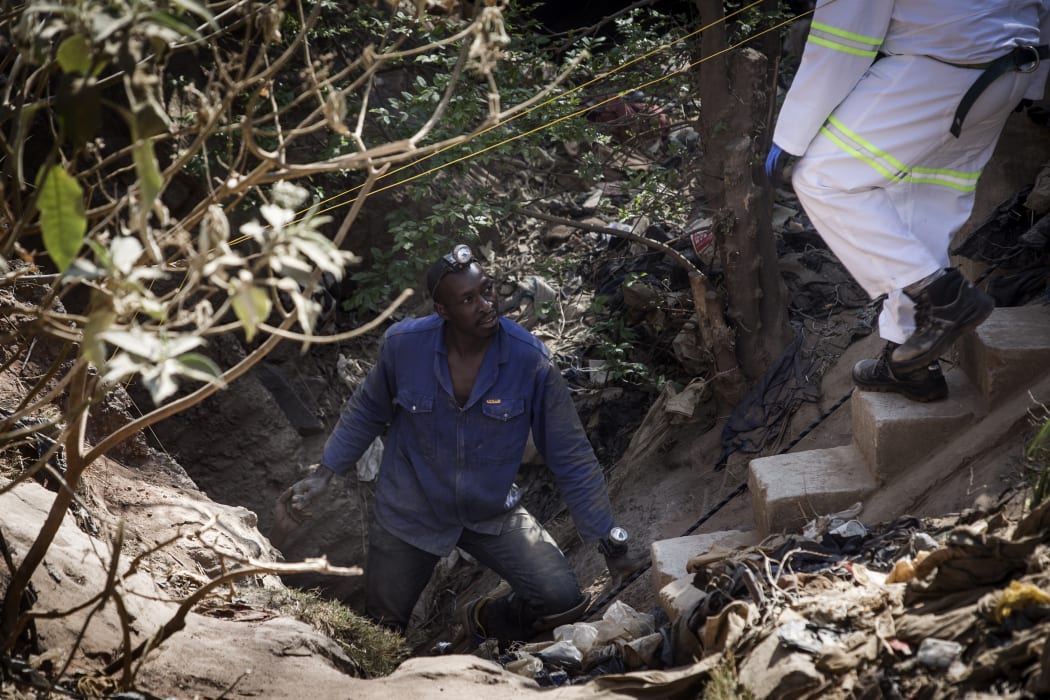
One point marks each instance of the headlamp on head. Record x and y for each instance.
(459, 259)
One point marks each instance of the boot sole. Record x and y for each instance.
(982, 311)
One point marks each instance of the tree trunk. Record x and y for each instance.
(736, 93)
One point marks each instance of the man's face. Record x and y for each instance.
(468, 302)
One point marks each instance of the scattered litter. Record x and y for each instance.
(1017, 597)
(805, 636)
(563, 655)
(921, 542)
(938, 653)
(581, 635)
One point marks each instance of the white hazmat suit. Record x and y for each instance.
(870, 111)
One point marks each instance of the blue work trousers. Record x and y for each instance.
(523, 554)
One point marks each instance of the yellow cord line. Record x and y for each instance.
(549, 101)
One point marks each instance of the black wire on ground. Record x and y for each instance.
(740, 488)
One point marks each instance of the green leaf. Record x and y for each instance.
(62, 219)
(308, 311)
(146, 168)
(120, 367)
(135, 342)
(159, 380)
(126, 252)
(93, 347)
(74, 55)
(175, 346)
(200, 367)
(252, 306)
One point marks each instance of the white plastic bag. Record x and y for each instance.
(580, 634)
(368, 465)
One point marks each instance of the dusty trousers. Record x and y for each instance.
(885, 183)
(523, 554)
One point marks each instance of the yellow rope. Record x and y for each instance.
(557, 120)
(553, 99)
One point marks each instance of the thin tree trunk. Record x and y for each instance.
(735, 96)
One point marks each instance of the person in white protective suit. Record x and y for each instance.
(895, 109)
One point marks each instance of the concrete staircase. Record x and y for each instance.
(1007, 355)
(899, 448)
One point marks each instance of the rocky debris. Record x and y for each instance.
(143, 516)
(947, 607)
(850, 609)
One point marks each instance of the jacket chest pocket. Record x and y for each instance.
(415, 402)
(504, 411)
(419, 426)
(504, 431)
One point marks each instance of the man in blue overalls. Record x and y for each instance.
(456, 394)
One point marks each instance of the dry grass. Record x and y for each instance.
(724, 684)
(1037, 456)
(374, 650)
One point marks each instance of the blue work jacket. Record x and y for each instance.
(448, 467)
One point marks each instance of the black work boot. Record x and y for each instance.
(946, 306)
(473, 624)
(925, 384)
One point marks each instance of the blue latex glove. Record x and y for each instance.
(775, 162)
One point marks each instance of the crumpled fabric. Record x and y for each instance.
(982, 562)
(955, 621)
(726, 629)
(686, 683)
(760, 416)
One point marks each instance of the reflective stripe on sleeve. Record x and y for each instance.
(840, 40)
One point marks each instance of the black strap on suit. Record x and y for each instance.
(1023, 58)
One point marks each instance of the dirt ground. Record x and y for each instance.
(230, 458)
(266, 655)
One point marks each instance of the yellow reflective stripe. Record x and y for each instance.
(868, 152)
(891, 168)
(889, 174)
(869, 147)
(859, 38)
(962, 182)
(843, 41)
(842, 48)
(947, 173)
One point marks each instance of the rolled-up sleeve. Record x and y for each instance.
(560, 438)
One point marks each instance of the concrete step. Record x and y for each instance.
(670, 564)
(894, 433)
(789, 490)
(671, 556)
(1008, 352)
